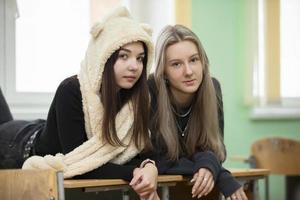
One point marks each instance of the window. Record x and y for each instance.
(51, 39)
(276, 81)
(46, 43)
(290, 48)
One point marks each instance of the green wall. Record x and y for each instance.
(224, 29)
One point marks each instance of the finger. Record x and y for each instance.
(135, 179)
(146, 190)
(202, 186)
(233, 196)
(241, 194)
(139, 188)
(194, 177)
(228, 198)
(238, 195)
(143, 186)
(197, 183)
(206, 190)
(212, 187)
(244, 197)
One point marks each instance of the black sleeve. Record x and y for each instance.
(110, 171)
(64, 130)
(161, 161)
(69, 116)
(208, 160)
(183, 166)
(226, 183)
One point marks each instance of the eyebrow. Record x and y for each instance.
(129, 51)
(174, 60)
(196, 54)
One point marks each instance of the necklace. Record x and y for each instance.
(182, 115)
(182, 132)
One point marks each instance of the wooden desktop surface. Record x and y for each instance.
(83, 183)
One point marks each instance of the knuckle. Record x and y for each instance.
(151, 186)
(147, 183)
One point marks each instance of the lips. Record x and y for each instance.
(189, 82)
(130, 78)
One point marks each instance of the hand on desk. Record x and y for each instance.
(203, 183)
(144, 182)
(239, 194)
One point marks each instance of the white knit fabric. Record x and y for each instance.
(116, 30)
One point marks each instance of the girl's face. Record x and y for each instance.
(183, 70)
(129, 65)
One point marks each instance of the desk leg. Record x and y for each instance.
(255, 190)
(267, 187)
(251, 187)
(125, 194)
(165, 192)
(60, 185)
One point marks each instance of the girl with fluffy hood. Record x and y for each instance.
(98, 120)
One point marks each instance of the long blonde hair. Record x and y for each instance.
(203, 131)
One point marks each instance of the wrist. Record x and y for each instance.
(147, 162)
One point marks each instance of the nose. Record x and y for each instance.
(133, 65)
(188, 69)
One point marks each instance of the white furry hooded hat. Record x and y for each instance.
(116, 30)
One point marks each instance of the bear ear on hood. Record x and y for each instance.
(96, 29)
(118, 12)
(147, 28)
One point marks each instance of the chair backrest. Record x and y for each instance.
(280, 155)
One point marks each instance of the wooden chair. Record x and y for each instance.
(279, 155)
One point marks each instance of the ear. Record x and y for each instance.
(117, 12)
(147, 28)
(120, 12)
(96, 29)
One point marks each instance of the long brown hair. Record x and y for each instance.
(113, 100)
(203, 128)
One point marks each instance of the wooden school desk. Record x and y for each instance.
(46, 184)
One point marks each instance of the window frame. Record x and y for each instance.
(270, 105)
(23, 105)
